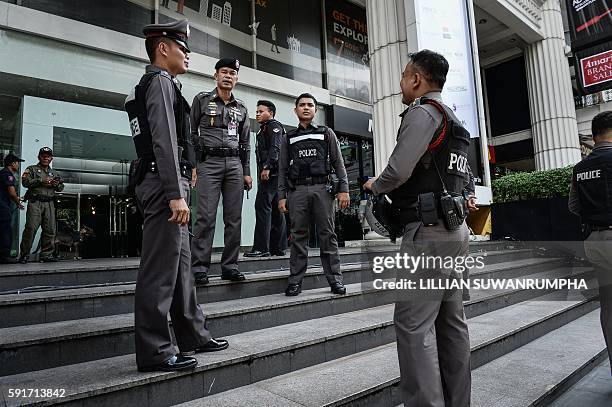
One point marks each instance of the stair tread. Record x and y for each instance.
(331, 384)
(12, 337)
(96, 377)
(123, 289)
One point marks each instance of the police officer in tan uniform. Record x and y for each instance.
(590, 199)
(222, 131)
(159, 120)
(42, 183)
(429, 162)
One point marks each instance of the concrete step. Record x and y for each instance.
(370, 378)
(48, 276)
(41, 346)
(266, 353)
(61, 305)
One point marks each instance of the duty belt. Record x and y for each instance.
(219, 152)
(184, 169)
(310, 181)
(40, 198)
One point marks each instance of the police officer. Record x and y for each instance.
(270, 234)
(159, 120)
(309, 155)
(221, 127)
(590, 199)
(8, 193)
(42, 183)
(430, 157)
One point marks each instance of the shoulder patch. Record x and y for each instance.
(276, 130)
(10, 178)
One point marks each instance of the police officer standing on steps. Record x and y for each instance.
(270, 234)
(428, 169)
(310, 164)
(221, 128)
(590, 199)
(159, 120)
(42, 183)
(8, 193)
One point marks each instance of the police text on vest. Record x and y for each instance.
(459, 162)
(584, 176)
(311, 152)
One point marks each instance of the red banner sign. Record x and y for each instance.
(596, 69)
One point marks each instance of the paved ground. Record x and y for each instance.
(594, 390)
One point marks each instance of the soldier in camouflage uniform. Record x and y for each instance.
(42, 183)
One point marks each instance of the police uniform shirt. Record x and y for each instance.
(215, 124)
(160, 99)
(269, 140)
(573, 201)
(419, 123)
(33, 177)
(335, 157)
(7, 179)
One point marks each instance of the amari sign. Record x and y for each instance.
(590, 24)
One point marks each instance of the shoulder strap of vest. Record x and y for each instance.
(438, 140)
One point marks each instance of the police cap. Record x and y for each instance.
(11, 158)
(45, 150)
(177, 31)
(227, 63)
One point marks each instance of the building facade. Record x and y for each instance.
(66, 68)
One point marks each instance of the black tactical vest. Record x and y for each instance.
(593, 181)
(449, 152)
(263, 141)
(136, 109)
(308, 153)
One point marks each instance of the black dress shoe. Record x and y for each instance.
(177, 362)
(277, 252)
(256, 253)
(293, 290)
(214, 345)
(23, 259)
(338, 288)
(235, 276)
(200, 278)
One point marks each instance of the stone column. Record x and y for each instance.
(553, 116)
(388, 56)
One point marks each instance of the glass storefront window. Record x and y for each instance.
(348, 63)
(10, 142)
(289, 39)
(118, 15)
(219, 28)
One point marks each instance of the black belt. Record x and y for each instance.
(311, 181)
(40, 198)
(184, 169)
(219, 152)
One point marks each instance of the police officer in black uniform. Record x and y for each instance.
(590, 199)
(309, 157)
(270, 234)
(159, 120)
(8, 194)
(222, 130)
(428, 169)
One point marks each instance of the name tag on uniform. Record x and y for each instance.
(231, 128)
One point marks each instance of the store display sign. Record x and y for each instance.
(443, 26)
(590, 22)
(595, 68)
(348, 64)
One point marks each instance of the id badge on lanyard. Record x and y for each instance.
(232, 128)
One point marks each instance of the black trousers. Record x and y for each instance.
(6, 233)
(270, 229)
